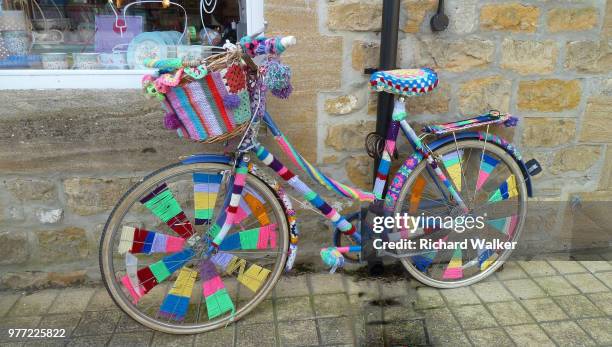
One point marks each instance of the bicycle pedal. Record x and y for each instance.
(533, 167)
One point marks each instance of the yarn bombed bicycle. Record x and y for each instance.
(200, 243)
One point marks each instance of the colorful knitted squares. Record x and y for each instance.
(257, 238)
(162, 203)
(252, 278)
(505, 225)
(137, 240)
(487, 165)
(486, 257)
(452, 163)
(217, 298)
(176, 303)
(454, 270)
(205, 187)
(505, 191)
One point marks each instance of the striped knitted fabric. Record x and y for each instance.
(176, 303)
(162, 203)
(205, 187)
(217, 298)
(135, 240)
(252, 277)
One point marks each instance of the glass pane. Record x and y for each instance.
(86, 34)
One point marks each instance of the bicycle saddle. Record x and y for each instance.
(404, 82)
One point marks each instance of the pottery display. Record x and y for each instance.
(86, 61)
(115, 60)
(16, 42)
(54, 61)
(13, 21)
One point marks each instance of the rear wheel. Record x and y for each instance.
(151, 255)
(491, 183)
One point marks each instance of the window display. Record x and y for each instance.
(114, 34)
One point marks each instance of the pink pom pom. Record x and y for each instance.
(171, 121)
(231, 101)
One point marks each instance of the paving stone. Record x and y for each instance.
(544, 309)
(264, 312)
(451, 338)
(101, 301)
(474, 317)
(65, 321)
(599, 328)
(7, 300)
(56, 342)
(509, 313)
(524, 288)
(537, 268)
(399, 309)
(302, 333)
(556, 285)
(373, 313)
(491, 292)
(587, 283)
(366, 289)
(72, 300)
(11, 344)
(33, 304)
(485, 336)
(335, 330)
(293, 308)
(223, 337)
(291, 286)
(567, 334)
(605, 277)
(374, 335)
(331, 305)
(596, 265)
(254, 335)
(440, 319)
(407, 333)
(511, 271)
(171, 340)
(603, 301)
(567, 266)
(135, 339)
(16, 323)
(459, 296)
(127, 324)
(393, 289)
(99, 322)
(428, 297)
(326, 283)
(528, 335)
(578, 306)
(86, 341)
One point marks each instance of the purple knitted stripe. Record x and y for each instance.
(208, 270)
(218, 79)
(183, 116)
(222, 259)
(205, 109)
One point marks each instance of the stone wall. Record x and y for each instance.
(67, 156)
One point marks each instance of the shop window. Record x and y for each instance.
(70, 35)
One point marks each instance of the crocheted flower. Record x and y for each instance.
(235, 79)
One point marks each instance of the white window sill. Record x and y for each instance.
(71, 79)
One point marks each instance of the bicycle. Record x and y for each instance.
(237, 229)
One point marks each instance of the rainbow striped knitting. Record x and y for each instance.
(217, 298)
(505, 225)
(176, 303)
(505, 191)
(135, 240)
(257, 238)
(487, 166)
(162, 203)
(205, 190)
(492, 117)
(454, 269)
(252, 278)
(452, 163)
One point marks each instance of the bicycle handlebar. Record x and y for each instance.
(261, 45)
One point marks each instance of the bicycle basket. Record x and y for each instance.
(205, 101)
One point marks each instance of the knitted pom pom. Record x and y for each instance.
(171, 121)
(231, 101)
(511, 121)
(283, 93)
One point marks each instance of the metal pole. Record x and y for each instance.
(388, 61)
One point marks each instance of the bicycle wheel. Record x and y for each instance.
(151, 254)
(491, 184)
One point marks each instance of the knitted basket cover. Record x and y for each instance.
(209, 105)
(405, 82)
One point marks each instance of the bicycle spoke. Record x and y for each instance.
(205, 191)
(454, 269)
(505, 191)
(257, 238)
(135, 240)
(452, 164)
(252, 277)
(176, 303)
(162, 203)
(423, 261)
(487, 166)
(218, 300)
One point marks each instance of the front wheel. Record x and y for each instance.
(152, 255)
(491, 184)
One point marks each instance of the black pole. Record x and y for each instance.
(388, 61)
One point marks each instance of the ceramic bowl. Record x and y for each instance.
(54, 61)
(86, 61)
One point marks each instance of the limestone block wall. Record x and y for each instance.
(66, 156)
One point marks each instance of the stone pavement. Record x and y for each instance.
(539, 303)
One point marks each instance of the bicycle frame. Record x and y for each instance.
(224, 220)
